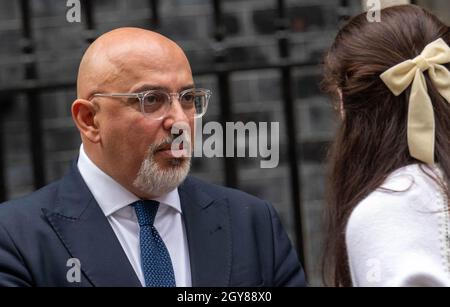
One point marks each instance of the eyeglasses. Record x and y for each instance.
(155, 104)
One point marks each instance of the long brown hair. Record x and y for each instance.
(371, 141)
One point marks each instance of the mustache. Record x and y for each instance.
(167, 142)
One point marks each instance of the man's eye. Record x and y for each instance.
(188, 98)
(154, 98)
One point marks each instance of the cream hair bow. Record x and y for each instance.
(421, 135)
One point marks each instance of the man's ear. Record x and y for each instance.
(83, 114)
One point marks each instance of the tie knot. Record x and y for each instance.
(146, 211)
(421, 63)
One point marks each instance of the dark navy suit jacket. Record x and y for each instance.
(234, 239)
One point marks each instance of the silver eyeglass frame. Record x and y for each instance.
(141, 97)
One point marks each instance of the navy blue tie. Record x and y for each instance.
(155, 259)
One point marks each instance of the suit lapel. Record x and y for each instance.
(88, 236)
(207, 223)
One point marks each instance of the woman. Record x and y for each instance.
(390, 163)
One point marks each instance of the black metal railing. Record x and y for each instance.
(290, 118)
(32, 98)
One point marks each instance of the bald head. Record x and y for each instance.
(122, 54)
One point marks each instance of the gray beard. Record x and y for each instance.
(155, 180)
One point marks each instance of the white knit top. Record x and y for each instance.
(401, 238)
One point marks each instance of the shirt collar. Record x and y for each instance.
(109, 194)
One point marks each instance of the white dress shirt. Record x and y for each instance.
(114, 200)
(401, 237)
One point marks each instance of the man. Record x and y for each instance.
(127, 214)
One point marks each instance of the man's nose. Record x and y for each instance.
(175, 113)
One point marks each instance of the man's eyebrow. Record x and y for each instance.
(149, 87)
